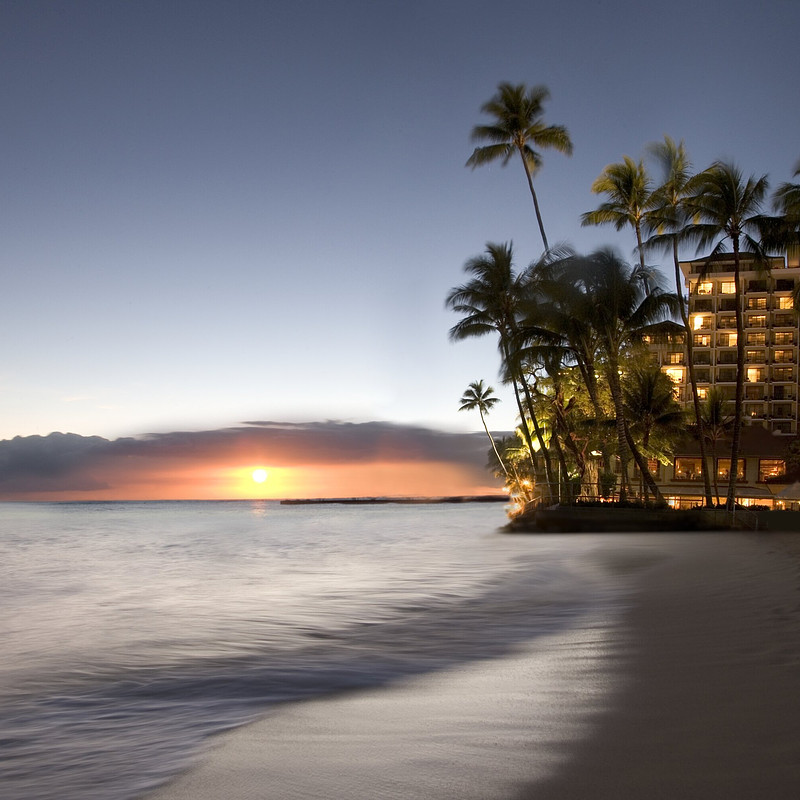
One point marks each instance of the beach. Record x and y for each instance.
(686, 686)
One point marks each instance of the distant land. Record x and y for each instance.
(482, 498)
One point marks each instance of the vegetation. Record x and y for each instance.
(572, 329)
(518, 127)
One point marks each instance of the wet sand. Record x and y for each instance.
(688, 688)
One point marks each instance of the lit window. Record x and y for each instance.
(771, 468)
(757, 338)
(785, 302)
(675, 374)
(757, 302)
(724, 468)
(676, 358)
(702, 339)
(687, 469)
(728, 287)
(755, 374)
(701, 323)
(702, 392)
(705, 287)
(783, 356)
(757, 321)
(784, 337)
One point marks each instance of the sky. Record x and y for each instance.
(215, 212)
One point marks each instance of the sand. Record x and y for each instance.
(688, 688)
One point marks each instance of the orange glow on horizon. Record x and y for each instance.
(177, 480)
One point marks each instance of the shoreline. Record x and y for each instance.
(691, 693)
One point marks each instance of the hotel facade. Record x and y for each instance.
(772, 371)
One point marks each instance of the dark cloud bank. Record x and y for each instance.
(69, 462)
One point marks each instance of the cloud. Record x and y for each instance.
(38, 465)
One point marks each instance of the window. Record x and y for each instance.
(687, 469)
(702, 339)
(757, 321)
(757, 286)
(675, 358)
(755, 356)
(724, 468)
(784, 285)
(705, 287)
(702, 392)
(727, 339)
(702, 304)
(755, 410)
(727, 322)
(702, 376)
(785, 320)
(785, 302)
(783, 337)
(770, 468)
(727, 375)
(701, 357)
(754, 374)
(727, 287)
(701, 323)
(726, 357)
(757, 302)
(782, 410)
(783, 374)
(753, 392)
(675, 374)
(756, 338)
(783, 356)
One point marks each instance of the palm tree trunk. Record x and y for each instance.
(622, 439)
(739, 405)
(641, 462)
(548, 464)
(535, 199)
(698, 414)
(491, 439)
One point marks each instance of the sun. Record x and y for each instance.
(260, 475)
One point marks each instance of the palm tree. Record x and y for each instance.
(624, 308)
(650, 405)
(667, 219)
(729, 209)
(786, 202)
(478, 396)
(490, 304)
(716, 425)
(518, 127)
(628, 189)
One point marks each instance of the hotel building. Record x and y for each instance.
(772, 365)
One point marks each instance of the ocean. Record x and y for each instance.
(131, 632)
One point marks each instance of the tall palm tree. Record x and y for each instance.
(480, 397)
(490, 303)
(667, 220)
(729, 209)
(561, 320)
(627, 303)
(629, 191)
(716, 425)
(518, 127)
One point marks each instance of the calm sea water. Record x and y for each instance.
(132, 631)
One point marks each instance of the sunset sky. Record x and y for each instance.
(226, 211)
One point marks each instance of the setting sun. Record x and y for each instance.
(259, 475)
